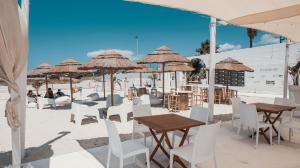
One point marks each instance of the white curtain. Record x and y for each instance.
(13, 52)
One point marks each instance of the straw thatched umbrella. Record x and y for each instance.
(143, 69)
(40, 72)
(163, 55)
(69, 67)
(112, 61)
(232, 65)
(177, 66)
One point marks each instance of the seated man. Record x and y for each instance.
(59, 93)
(49, 94)
(31, 96)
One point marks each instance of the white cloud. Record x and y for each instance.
(126, 53)
(268, 39)
(228, 46)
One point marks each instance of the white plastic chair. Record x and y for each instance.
(141, 110)
(51, 102)
(123, 150)
(294, 93)
(249, 119)
(203, 148)
(286, 120)
(235, 101)
(122, 110)
(117, 100)
(145, 99)
(81, 111)
(197, 113)
(283, 102)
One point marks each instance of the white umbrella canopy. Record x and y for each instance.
(281, 17)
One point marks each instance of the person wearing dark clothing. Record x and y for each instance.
(49, 94)
(59, 93)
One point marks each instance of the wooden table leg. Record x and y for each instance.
(176, 158)
(158, 145)
(268, 120)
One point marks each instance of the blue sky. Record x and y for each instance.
(61, 29)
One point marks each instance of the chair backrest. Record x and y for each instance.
(282, 101)
(117, 100)
(205, 142)
(199, 113)
(145, 99)
(294, 92)
(235, 101)
(127, 105)
(141, 110)
(115, 143)
(248, 115)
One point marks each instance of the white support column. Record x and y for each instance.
(212, 68)
(18, 134)
(286, 63)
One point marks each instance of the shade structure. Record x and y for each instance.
(230, 64)
(69, 67)
(177, 67)
(275, 16)
(110, 60)
(143, 69)
(163, 55)
(40, 71)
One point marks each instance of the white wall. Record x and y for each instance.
(267, 62)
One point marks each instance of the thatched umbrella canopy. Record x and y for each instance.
(232, 65)
(39, 72)
(69, 67)
(177, 66)
(143, 69)
(112, 61)
(163, 55)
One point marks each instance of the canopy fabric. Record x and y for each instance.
(163, 54)
(281, 17)
(230, 64)
(13, 53)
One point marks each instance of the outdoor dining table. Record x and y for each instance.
(268, 110)
(162, 124)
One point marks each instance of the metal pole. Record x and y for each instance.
(163, 78)
(175, 80)
(286, 62)
(103, 83)
(46, 81)
(141, 82)
(212, 68)
(137, 46)
(111, 87)
(71, 87)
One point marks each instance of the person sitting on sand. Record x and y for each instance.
(49, 94)
(59, 93)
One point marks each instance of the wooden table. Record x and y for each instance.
(164, 124)
(268, 110)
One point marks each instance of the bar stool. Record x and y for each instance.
(174, 102)
(218, 95)
(197, 98)
(166, 100)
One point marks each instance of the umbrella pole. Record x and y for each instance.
(163, 76)
(46, 81)
(175, 80)
(141, 79)
(103, 83)
(111, 87)
(71, 87)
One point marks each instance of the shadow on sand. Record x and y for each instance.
(34, 153)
